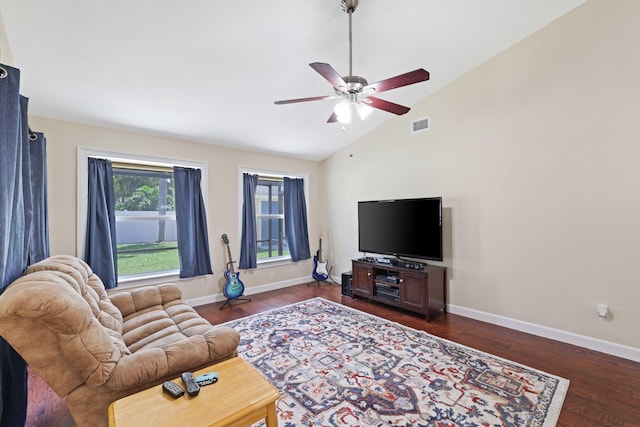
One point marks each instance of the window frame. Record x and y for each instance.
(83, 154)
(260, 216)
(274, 261)
(137, 169)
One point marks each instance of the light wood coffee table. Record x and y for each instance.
(240, 397)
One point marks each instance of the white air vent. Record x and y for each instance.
(420, 125)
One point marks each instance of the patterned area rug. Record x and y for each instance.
(336, 366)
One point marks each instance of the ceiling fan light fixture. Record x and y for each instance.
(364, 111)
(343, 111)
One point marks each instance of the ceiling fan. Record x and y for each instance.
(355, 91)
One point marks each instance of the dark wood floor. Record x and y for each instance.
(604, 390)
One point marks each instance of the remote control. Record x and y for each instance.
(172, 389)
(206, 379)
(190, 382)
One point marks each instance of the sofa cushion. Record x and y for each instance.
(155, 316)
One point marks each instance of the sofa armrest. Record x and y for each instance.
(222, 341)
(56, 332)
(142, 367)
(129, 302)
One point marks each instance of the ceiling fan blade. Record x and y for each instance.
(333, 118)
(381, 104)
(313, 98)
(331, 75)
(415, 76)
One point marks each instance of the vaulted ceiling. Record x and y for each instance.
(210, 70)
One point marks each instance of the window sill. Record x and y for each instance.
(273, 262)
(148, 279)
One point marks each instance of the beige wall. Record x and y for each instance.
(536, 154)
(5, 52)
(63, 139)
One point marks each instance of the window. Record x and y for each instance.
(140, 210)
(145, 220)
(271, 242)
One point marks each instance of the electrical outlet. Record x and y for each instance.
(603, 310)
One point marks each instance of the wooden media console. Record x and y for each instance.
(419, 291)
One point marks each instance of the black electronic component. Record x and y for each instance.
(172, 389)
(190, 382)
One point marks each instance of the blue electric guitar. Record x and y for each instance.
(233, 288)
(320, 272)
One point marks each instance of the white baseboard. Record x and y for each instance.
(596, 344)
(248, 291)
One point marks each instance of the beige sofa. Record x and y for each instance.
(95, 348)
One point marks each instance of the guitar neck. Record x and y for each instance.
(230, 260)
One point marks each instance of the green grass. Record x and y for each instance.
(262, 254)
(139, 258)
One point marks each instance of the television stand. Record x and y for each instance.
(420, 291)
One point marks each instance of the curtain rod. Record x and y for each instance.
(132, 165)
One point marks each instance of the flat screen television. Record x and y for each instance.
(404, 227)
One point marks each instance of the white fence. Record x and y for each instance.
(145, 227)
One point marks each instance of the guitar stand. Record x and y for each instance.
(228, 301)
(317, 282)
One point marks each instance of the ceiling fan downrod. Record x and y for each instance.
(349, 6)
(354, 83)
